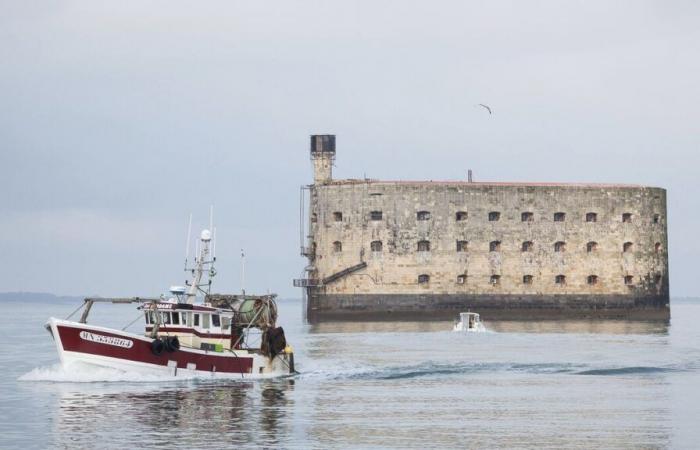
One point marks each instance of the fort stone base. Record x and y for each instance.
(435, 307)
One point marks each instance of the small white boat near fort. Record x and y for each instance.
(469, 322)
(225, 336)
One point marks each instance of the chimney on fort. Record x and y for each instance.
(323, 156)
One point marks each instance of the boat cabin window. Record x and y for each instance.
(147, 315)
(166, 318)
(196, 320)
(225, 323)
(215, 320)
(184, 318)
(176, 318)
(206, 321)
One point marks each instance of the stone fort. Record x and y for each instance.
(501, 249)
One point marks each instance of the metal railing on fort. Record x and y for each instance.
(307, 282)
(307, 251)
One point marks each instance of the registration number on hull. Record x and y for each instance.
(107, 340)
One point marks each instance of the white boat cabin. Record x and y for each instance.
(193, 324)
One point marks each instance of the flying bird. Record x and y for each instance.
(485, 106)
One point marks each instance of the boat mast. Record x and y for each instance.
(198, 271)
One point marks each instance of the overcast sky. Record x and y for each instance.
(118, 119)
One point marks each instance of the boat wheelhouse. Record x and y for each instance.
(470, 322)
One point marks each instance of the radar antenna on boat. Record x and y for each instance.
(204, 265)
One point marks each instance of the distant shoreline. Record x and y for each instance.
(48, 297)
(38, 297)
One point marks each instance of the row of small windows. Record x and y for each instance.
(495, 216)
(591, 280)
(188, 319)
(495, 246)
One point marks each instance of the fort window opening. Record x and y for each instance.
(462, 246)
(495, 246)
(592, 280)
(423, 246)
(495, 280)
(591, 247)
(461, 279)
(591, 217)
(657, 247)
(314, 217)
(559, 216)
(527, 217)
(338, 216)
(560, 280)
(423, 279)
(627, 247)
(629, 280)
(560, 246)
(527, 246)
(494, 216)
(376, 246)
(460, 216)
(375, 215)
(657, 279)
(423, 215)
(527, 279)
(627, 218)
(656, 218)
(337, 247)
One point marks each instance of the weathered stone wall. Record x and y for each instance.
(340, 212)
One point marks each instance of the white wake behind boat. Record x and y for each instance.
(229, 336)
(469, 322)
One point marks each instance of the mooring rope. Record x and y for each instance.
(132, 322)
(78, 309)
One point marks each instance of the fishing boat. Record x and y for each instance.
(469, 322)
(223, 336)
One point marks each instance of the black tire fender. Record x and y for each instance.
(157, 347)
(172, 344)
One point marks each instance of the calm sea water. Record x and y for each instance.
(564, 384)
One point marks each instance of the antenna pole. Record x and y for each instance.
(187, 244)
(242, 272)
